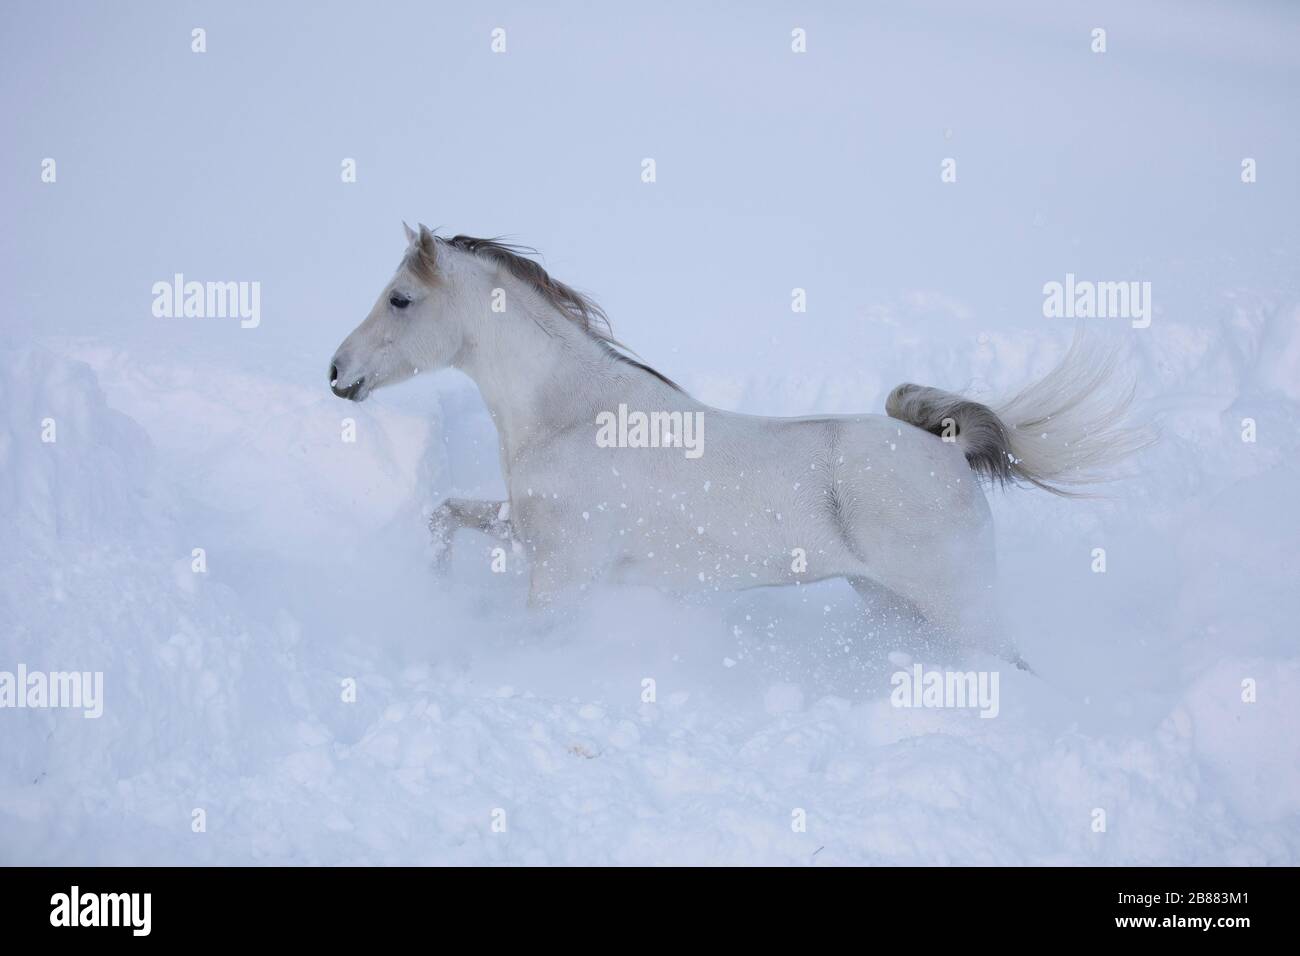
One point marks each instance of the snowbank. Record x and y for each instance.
(227, 689)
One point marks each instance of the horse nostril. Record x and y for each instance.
(334, 374)
(345, 391)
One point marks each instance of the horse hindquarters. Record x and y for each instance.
(920, 522)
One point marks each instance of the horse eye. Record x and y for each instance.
(398, 301)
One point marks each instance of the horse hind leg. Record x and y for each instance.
(907, 621)
(888, 604)
(973, 618)
(955, 616)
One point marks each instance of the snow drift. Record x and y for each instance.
(227, 689)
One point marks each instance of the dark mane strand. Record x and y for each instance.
(569, 302)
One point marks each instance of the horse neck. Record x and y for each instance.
(540, 374)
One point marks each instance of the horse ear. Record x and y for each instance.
(410, 233)
(426, 241)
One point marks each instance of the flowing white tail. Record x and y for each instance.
(1062, 433)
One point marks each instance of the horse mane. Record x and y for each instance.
(568, 301)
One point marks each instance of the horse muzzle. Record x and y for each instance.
(354, 392)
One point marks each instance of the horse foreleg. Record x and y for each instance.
(490, 517)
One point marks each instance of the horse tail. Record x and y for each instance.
(1062, 433)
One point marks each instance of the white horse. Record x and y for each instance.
(614, 472)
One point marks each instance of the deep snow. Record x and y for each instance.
(223, 688)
